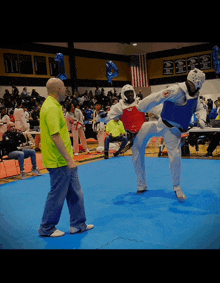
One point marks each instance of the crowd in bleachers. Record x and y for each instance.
(33, 101)
(31, 104)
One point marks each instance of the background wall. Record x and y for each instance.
(90, 66)
(91, 69)
(95, 69)
(155, 66)
(47, 55)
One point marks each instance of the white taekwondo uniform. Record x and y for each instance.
(179, 96)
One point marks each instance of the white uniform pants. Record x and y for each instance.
(101, 137)
(79, 133)
(172, 138)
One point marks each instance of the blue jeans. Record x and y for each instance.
(21, 155)
(65, 184)
(122, 139)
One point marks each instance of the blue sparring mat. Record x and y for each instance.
(122, 218)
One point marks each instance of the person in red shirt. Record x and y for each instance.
(11, 116)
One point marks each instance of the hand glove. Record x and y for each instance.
(202, 124)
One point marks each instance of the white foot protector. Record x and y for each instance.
(179, 192)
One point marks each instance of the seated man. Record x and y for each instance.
(215, 112)
(3, 122)
(12, 140)
(215, 138)
(115, 132)
(213, 144)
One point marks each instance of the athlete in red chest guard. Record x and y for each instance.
(132, 118)
(127, 109)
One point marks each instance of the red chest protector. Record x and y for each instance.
(133, 119)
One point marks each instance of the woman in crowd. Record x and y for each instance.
(75, 123)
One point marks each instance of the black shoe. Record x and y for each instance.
(116, 153)
(106, 155)
(208, 154)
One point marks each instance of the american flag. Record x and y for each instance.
(139, 70)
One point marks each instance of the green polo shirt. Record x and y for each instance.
(115, 128)
(52, 121)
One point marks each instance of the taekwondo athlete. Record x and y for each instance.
(180, 102)
(127, 110)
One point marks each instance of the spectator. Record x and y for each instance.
(97, 92)
(98, 127)
(93, 100)
(115, 132)
(75, 93)
(30, 103)
(215, 111)
(75, 124)
(81, 99)
(3, 123)
(25, 95)
(213, 144)
(5, 117)
(35, 119)
(12, 144)
(89, 113)
(6, 95)
(20, 121)
(2, 104)
(8, 99)
(15, 93)
(34, 94)
(11, 116)
(214, 141)
(210, 104)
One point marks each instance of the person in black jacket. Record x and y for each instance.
(213, 144)
(11, 142)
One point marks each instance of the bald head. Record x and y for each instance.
(56, 88)
(53, 85)
(10, 126)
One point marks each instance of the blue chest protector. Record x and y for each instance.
(179, 114)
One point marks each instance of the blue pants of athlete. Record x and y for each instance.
(65, 184)
(21, 155)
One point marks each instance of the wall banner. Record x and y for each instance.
(192, 63)
(180, 66)
(185, 65)
(205, 62)
(168, 67)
